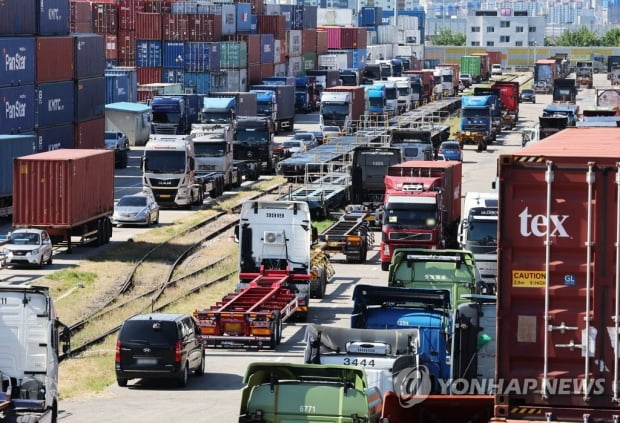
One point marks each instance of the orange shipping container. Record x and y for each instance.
(321, 42)
(111, 47)
(308, 41)
(63, 188)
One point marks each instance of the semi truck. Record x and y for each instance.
(224, 107)
(174, 114)
(453, 78)
(278, 102)
(33, 339)
(79, 194)
(584, 74)
(343, 107)
(497, 109)
(11, 146)
(422, 206)
(473, 66)
(377, 102)
(557, 276)
(169, 171)
(306, 94)
(307, 392)
(545, 72)
(476, 125)
(278, 273)
(509, 99)
(423, 85)
(556, 117)
(253, 141)
(405, 93)
(485, 65)
(391, 97)
(565, 91)
(325, 78)
(350, 77)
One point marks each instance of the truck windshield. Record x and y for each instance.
(376, 102)
(250, 136)
(164, 117)
(403, 92)
(210, 149)
(214, 117)
(475, 113)
(482, 233)
(334, 109)
(164, 161)
(348, 80)
(410, 215)
(391, 93)
(263, 109)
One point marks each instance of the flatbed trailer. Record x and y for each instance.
(253, 316)
(349, 235)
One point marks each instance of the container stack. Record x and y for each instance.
(346, 48)
(52, 85)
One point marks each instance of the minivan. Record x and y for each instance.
(159, 345)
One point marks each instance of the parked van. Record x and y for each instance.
(159, 345)
(415, 150)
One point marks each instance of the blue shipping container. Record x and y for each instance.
(267, 48)
(148, 54)
(201, 57)
(310, 17)
(370, 16)
(244, 17)
(184, 7)
(18, 17)
(199, 82)
(54, 103)
(173, 54)
(18, 59)
(172, 76)
(254, 26)
(53, 17)
(89, 56)
(131, 75)
(54, 137)
(12, 146)
(117, 89)
(297, 17)
(89, 99)
(358, 60)
(18, 109)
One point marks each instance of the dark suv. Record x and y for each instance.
(159, 345)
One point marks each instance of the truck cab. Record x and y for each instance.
(476, 125)
(377, 101)
(253, 141)
(336, 109)
(218, 110)
(405, 93)
(306, 94)
(174, 114)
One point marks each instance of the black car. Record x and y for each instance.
(159, 345)
(527, 95)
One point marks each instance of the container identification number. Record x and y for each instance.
(355, 362)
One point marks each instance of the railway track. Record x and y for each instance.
(138, 292)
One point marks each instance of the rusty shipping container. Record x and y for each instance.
(321, 42)
(558, 298)
(205, 28)
(149, 26)
(111, 47)
(308, 41)
(272, 24)
(105, 18)
(149, 75)
(80, 18)
(176, 27)
(127, 10)
(126, 48)
(63, 188)
(89, 134)
(55, 58)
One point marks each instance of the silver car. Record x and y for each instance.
(136, 209)
(27, 246)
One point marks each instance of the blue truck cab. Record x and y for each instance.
(477, 115)
(218, 110)
(377, 101)
(174, 114)
(306, 94)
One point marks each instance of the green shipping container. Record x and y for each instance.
(471, 65)
(308, 62)
(233, 54)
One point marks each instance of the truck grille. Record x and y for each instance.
(164, 183)
(475, 127)
(410, 236)
(209, 168)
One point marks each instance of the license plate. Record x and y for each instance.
(146, 361)
(165, 195)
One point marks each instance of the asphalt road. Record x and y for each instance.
(216, 396)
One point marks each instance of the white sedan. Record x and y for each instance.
(28, 247)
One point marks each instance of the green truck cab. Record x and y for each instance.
(279, 392)
(453, 270)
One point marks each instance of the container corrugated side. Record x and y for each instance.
(173, 54)
(201, 57)
(198, 82)
(105, 18)
(272, 24)
(267, 48)
(279, 51)
(309, 62)
(557, 271)
(12, 146)
(111, 47)
(54, 137)
(321, 42)
(148, 53)
(158, 6)
(126, 48)
(297, 17)
(334, 36)
(308, 41)
(63, 187)
(254, 74)
(310, 17)
(54, 58)
(253, 42)
(172, 75)
(294, 66)
(149, 76)
(89, 98)
(127, 10)
(205, 28)
(293, 42)
(184, 7)
(18, 17)
(244, 17)
(89, 134)
(127, 89)
(18, 57)
(89, 55)
(148, 26)
(233, 54)
(53, 17)
(80, 13)
(176, 27)
(18, 109)
(54, 103)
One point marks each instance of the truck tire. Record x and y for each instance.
(276, 330)
(121, 382)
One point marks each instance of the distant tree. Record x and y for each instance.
(611, 38)
(583, 37)
(445, 37)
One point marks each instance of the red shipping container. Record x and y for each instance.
(308, 41)
(80, 12)
(126, 46)
(272, 24)
(176, 27)
(54, 59)
(157, 6)
(63, 188)
(253, 43)
(362, 37)
(127, 10)
(254, 75)
(148, 26)
(81, 27)
(89, 133)
(105, 18)
(111, 47)
(321, 42)
(266, 70)
(557, 292)
(282, 50)
(205, 28)
(146, 94)
(334, 36)
(149, 75)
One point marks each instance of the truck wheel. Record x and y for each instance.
(364, 253)
(124, 160)
(276, 330)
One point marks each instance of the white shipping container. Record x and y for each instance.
(409, 36)
(277, 51)
(279, 69)
(371, 37)
(387, 34)
(229, 19)
(378, 52)
(335, 17)
(237, 80)
(332, 61)
(293, 42)
(407, 22)
(294, 66)
(403, 50)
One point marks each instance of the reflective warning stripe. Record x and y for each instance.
(525, 410)
(529, 159)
